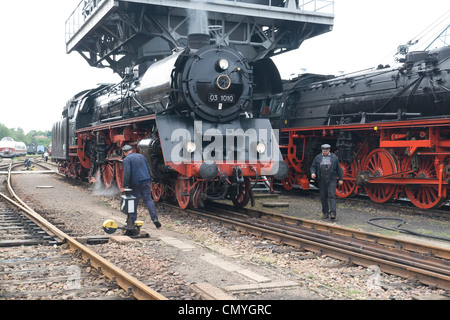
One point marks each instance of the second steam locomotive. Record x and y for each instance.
(390, 128)
(189, 115)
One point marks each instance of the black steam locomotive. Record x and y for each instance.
(383, 94)
(189, 114)
(390, 128)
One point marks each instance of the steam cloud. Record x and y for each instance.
(197, 22)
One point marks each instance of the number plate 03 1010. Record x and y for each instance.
(222, 98)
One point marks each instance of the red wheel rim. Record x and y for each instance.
(241, 200)
(119, 175)
(183, 191)
(348, 188)
(424, 196)
(380, 163)
(158, 190)
(108, 175)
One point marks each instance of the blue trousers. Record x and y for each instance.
(143, 190)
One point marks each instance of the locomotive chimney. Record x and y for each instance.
(198, 40)
(198, 33)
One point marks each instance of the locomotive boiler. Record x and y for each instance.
(390, 128)
(189, 115)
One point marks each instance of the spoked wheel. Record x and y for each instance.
(424, 196)
(241, 196)
(108, 175)
(380, 163)
(158, 190)
(349, 186)
(119, 175)
(183, 191)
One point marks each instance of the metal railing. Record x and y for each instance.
(78, 17)
(317, 6)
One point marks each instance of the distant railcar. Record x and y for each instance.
(31, 148)
(10, 148)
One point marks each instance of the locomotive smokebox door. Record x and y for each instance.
(128, 202)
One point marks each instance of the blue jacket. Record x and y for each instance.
(135, 170)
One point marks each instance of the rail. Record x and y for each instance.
(427, 264)
(123, 279)
(87, 7)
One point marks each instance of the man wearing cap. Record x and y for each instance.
(136, 176)
(327, 169)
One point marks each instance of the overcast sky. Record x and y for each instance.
(39, 77)
(365, 34)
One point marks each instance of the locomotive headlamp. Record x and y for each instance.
(223, 64)
(190, 146)
(261, 147)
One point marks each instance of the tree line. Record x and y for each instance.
(43, 138)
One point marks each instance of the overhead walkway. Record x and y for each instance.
(116, 34)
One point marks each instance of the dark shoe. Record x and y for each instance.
(157, 223)
(325, 216)
(333, 215)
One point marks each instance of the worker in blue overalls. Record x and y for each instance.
(136, 176)
(327, 169)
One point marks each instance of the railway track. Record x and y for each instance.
(427, 264)
(398, 204)
(39, 261)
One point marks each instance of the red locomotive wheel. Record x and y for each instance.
(380, 163)
(183, 191)
(158, 190)
(108, 175)
(119, 175)
(424, 196)
(349, 186)
(241, 199)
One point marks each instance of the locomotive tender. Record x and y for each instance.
(189, 115)
(390, 128)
